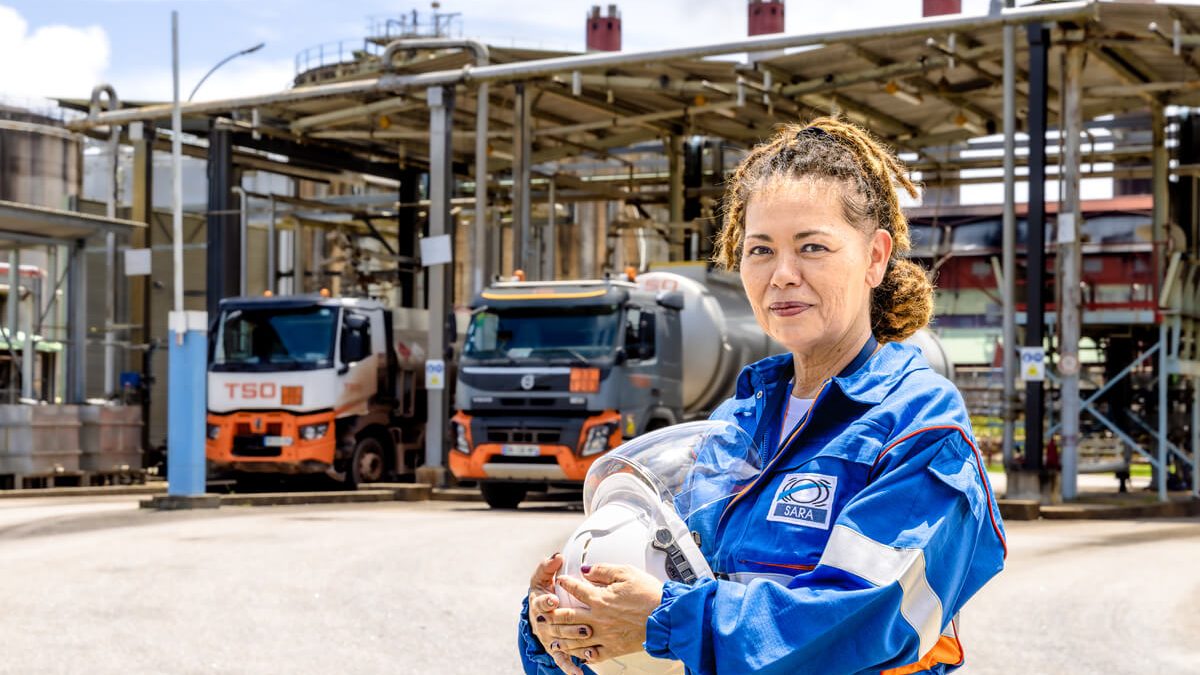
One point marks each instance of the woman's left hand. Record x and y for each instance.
(620, 598)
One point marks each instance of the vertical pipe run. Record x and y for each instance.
(1196, 436)
(243, 226)
(14, 304)
(550, 236)
(176, 170)
(28, 349)
(1039, 45)
(482, 262)
(441, 114)
(271, 243)
(522, 147)
(1008, 253)
(298, 266)
(1070, 220)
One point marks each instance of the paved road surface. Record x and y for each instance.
(97, 586)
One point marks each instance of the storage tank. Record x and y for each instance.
(39, 160)
(719, 328)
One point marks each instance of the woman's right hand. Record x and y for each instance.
(543, 599)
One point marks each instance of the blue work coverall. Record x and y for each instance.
(854, 551)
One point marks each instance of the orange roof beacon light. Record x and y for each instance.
(519, 275)
(324, 292)
(631, 273)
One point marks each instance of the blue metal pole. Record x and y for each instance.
(186, 404)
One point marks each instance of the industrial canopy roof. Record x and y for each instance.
(920, 86)
(38, 224)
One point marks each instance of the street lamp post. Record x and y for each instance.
(222, 62)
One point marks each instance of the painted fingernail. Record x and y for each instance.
(585, 569)
(552, 601)
(587, 654)
(541, 619)
(583, 631)
(554, 645)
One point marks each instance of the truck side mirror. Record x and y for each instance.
(670, 300)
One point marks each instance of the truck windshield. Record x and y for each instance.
(543, 334)
(275, 339)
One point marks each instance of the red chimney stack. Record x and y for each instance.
(940, 7)
(604, 32)
(766, 17)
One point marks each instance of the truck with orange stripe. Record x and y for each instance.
(311, 384)
(554, 374)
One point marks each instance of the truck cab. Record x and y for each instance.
(307, 384)
(554, 374)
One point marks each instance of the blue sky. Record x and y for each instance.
(72, 44)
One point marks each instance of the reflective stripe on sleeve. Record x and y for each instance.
(882, 565)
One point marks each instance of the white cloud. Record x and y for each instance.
(55, 60)
(244, 76)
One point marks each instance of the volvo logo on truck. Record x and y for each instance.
(527, 382)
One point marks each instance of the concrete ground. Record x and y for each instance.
(96, 585)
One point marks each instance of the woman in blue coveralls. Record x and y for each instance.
(872, 522)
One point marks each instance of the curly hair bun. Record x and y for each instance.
(903, 303)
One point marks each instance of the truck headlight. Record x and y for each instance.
(214, 430)
(460, 438)
(597, 439)
(311, 432)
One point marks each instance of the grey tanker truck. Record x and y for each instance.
(555, 374)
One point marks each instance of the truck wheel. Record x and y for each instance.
(502, 495)
(368, 464)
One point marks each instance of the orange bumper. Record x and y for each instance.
(568, 466)
(300, 456)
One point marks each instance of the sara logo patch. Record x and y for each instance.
(804, 499)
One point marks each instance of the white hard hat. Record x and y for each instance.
(640, 500)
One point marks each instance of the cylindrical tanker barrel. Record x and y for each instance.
(935, 352)
(720, 334)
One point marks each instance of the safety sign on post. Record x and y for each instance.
(435, 374)
(1033, 364)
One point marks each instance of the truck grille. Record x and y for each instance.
(538, 436)
(244, 429)
(252, 446)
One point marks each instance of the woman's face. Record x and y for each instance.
(808, 273)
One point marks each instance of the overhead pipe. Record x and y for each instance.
(482, 59)
(110, 238)
(524, 70)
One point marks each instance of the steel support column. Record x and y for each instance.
(1160, 169)
(76, 323)
(441, 182)
(407, 235)
(523, 253)
(674, 148)
(1070, 219)
(143, 212)
(1039, 46)
(223, 241)
(1009, 250)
